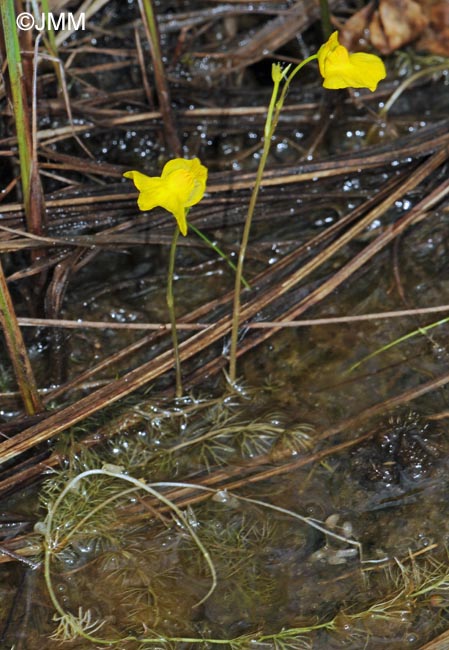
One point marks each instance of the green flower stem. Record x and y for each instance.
(273, 114)
(17, 350)
(171, 311)
(218, 250)
(291, 76)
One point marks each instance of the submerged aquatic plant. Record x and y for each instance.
(139, 593)
(71, 626)
(239, 532)
(205, 434)
(59, 533)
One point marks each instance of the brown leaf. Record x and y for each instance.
(396, 23)
(353, 34)
(436, 37)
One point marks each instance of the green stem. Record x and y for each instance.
(291, 76)
(273, 114)
(171, 311)
(17, 350)
(384, 348)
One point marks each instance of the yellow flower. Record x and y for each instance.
(181, 185)
(343, 70)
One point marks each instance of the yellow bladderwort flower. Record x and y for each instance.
(181, 185)
(343, 70)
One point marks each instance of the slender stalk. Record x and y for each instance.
(17, 350)
(18, 75)
(171, 311)
(274, 111)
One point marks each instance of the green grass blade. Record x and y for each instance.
(420, 330)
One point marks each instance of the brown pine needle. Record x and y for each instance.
(86, 324)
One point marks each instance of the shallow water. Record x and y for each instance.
(338, 548)
(139, 574)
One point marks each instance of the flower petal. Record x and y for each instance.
(141, 181)
(192, 166)
(326, 50)
(153, 195)
(187, 178)
(167, 200)
(370, 70)
(343, 70)
(181, 185)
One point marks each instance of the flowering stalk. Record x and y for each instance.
(171, 311)
(15, 72)
(274, 111)
(218, 250)
(148, 13)
(339, 69)
(180, 186)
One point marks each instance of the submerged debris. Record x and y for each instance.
(403, 450)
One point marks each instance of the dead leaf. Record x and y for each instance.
(398, 22)
(436, 37)
(355, 31)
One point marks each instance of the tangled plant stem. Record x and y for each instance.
(406, 585)
(70, 625)
(79, 626)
